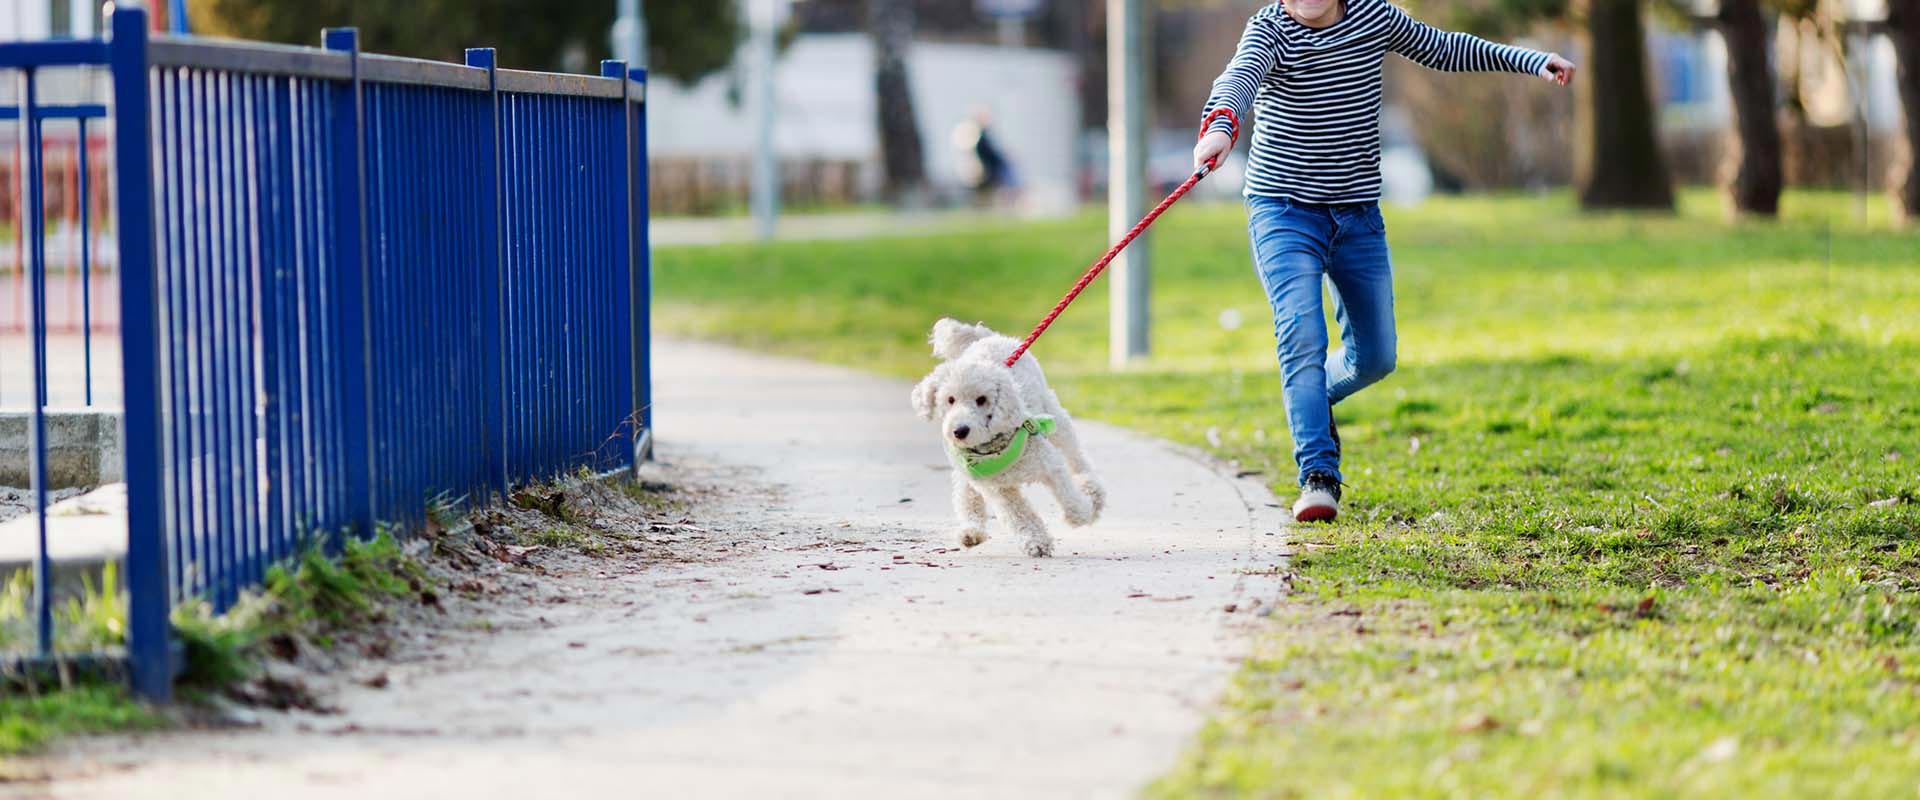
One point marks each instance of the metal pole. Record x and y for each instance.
(766, 163)
(1127, 43)
(630, 34)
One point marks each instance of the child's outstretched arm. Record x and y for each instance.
(1462, 52)
(1258, 51)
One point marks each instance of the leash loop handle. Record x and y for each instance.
(1138, 228)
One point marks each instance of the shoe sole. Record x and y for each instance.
(1316, 514)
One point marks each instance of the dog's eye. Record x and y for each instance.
(949, 401)
(980, 401)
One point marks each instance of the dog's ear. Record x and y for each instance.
(923, 394)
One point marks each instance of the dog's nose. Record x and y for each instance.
(961, 432)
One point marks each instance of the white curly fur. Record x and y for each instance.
(975, 390)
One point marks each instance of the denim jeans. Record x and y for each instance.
(1294, 245)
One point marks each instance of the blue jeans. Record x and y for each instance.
(1294, 244)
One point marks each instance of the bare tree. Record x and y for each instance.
(902, 159)
(1903, 24)
(1757, 172)
(1617, 160)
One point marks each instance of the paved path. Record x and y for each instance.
(904, 668)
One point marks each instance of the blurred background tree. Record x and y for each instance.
(1903, 23)
(1758, 170)
(686, 39)
(902, 160)
(1617, 158)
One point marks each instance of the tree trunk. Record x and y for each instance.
(1616, 151)
(1755, 189)
(903, 163)
(1903, 23)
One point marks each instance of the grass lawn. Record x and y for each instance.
(29, 721)
(1637, 515)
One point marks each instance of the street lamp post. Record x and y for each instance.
(764, 18)
(1127, 43)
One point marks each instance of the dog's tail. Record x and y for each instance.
(951, 337)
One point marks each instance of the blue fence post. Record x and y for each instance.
(350, 256)
(642, 286)
(149, 644)
(493, 269)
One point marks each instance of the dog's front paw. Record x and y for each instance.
(972, 537)
(1040, 548)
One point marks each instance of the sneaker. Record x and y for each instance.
(1319, 499)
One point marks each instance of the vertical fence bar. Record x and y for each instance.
(166, 268)
(220, 279)
(33, 229)
(86, 262)
(493, 311)
(148, 645)
(350, 243)
(273, 254)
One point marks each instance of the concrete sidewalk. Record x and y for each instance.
(844, 647)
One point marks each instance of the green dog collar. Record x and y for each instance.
(991, 464)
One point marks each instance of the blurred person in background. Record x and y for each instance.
(983, 166)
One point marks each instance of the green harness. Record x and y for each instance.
(990, 464)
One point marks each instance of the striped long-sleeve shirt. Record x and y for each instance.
(1315, 94)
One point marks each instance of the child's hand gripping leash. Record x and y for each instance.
(1099, 266)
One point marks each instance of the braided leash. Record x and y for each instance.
(1138, 228)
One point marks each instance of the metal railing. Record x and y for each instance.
(351, 286)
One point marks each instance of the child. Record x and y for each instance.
(1311, 72)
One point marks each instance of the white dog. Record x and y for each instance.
(1004, 429)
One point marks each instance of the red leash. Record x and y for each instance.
(1140, 227)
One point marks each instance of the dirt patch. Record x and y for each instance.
(488, 574)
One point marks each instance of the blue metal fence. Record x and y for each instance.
(352, 285)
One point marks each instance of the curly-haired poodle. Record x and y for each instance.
(1004, 429)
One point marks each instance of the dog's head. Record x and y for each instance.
(974, 401)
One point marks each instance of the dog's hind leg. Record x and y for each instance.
(1075, 503)
(1068, 440)
(972, 508)
(1013, 508)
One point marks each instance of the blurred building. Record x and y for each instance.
(1024, 75)
(64, 19)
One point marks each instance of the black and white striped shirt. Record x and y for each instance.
(1315, 93)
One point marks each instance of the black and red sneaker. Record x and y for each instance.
(1319, 499)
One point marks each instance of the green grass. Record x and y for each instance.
(313, 596)
(1618, 526)
(28, 722)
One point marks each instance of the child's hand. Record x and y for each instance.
(1211, 149)
(1558, 70)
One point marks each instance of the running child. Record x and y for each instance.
(1310, 71)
